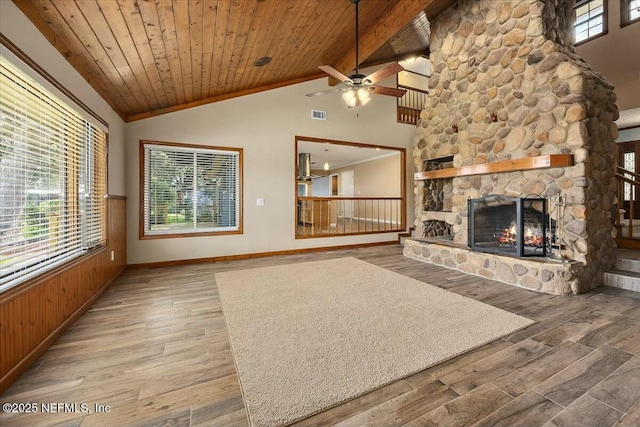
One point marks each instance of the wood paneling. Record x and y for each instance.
(117, 233)
(527, 163)
(151, 57)
(34, 314)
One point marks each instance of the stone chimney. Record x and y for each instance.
(507, 84)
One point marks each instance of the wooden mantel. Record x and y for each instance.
(527, 163)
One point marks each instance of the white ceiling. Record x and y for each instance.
(340, 155)
(629, 118)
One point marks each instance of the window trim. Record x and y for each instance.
(403, 186)
(605, 21)
(624, 4)
(29, 62)
(141, 204)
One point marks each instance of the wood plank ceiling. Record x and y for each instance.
(149, 57)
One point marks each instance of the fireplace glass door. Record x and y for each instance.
(508, 225)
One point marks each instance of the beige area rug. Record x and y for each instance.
(308, 336)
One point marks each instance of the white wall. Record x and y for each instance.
(15, 26)
(632, 134)
(321, 187)
(264, 125)
(616, 56)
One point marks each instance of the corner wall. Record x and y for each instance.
(621, 44)
(264, 125)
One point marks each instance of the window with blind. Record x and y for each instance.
(189, 190)
(53, 164)
(630, 12)
(590, 19)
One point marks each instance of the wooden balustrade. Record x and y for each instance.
(343, 216)
(411, 104)
(626, 221)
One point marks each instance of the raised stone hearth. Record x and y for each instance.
(553, 277)
(507, 85)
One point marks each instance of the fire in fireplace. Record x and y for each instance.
(513, 226)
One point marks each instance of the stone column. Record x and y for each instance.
(507, 84)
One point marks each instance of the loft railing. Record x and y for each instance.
(343, 216)
(628, 190)
(411, 104)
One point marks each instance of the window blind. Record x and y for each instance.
(52, 179)
(190, 189)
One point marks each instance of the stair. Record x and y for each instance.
(626, 272)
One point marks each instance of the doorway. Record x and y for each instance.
(629, 160)
(346, 190)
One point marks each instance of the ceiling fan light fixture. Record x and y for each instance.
(349, 97)
(356, 97)
(363, 96)
(360, 85)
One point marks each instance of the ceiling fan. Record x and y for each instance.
(358, 86)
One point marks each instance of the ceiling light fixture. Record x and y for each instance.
(326, 163)
(356, 97)
(262, 61)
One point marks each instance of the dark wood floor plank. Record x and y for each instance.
(631, 418)
(529, 375)
(577, 379)
(233, 419)
(402, 409)
(492, 367)
(582, 329)
(357, 405)
(614, 301)
(465, 410)
(633, 312)
(621, 389)
(608, 332)
(530, 409)
(557, 318)
(212, 411)
(628, 341)
(585, 412)
(179, 418)
(428, 375)
(147, 409)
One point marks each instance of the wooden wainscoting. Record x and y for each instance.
(34, 314)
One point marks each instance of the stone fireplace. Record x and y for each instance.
(514, 112)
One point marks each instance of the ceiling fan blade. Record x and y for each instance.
(335, 73)
(322, 92)
(391, 91)
(384, 72)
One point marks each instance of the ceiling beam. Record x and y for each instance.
(400, 14)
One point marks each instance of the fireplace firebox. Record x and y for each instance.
(512, 226)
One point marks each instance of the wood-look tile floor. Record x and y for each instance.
(154, 348)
